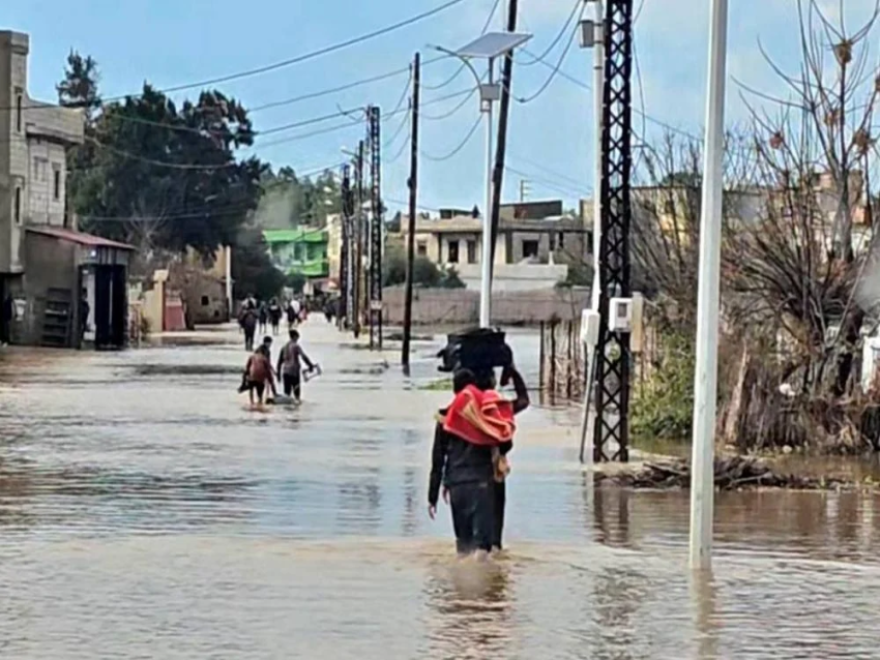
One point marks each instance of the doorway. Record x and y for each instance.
(111, 307)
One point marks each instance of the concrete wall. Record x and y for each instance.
(51, 264)
(32, 146)
(47, 183)
(515, 277)
(461, 306)
(14, 49)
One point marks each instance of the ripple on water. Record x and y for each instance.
(146, 513)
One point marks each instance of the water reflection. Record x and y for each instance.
(145, 512)
(469, 611)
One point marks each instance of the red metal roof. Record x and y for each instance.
(88, 240)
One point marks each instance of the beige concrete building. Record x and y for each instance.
(64, 287)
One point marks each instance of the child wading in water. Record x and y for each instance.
(258, 373)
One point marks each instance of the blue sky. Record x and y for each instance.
(171, 42)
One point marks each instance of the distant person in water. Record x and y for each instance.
(330, 306)
(293, 310)
(263, 314)
(248, 321)
(275, 315)
(258, 373)
(290, 366)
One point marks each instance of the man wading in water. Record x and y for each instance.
(258, 373)
(469, 459)
(290, 366)
(485, 380)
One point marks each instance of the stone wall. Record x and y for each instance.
(461, 306)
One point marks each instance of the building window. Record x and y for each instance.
(472, 252)
(205, 301)
(453, 252)
(529, 249)
(18, 111)
(422, 249)
(17, 210)
(561, 244)
(56, 182)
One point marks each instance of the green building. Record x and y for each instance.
(299, 250)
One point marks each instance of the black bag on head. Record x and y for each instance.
(476, 349)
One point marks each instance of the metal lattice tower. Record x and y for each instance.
(376, 234)
(613, 351)
(346, 257)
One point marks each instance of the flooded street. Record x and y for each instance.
(146, 513)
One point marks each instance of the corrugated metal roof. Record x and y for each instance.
(88, 240)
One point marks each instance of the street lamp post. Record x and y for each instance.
(489, 47)
(708, 294)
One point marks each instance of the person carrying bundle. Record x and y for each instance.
(471, 441)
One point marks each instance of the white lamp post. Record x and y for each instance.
(708, 294)
(489, 47)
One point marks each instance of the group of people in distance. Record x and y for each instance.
(472, 439)
(255, 314)
(260, 376)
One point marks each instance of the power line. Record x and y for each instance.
(553, 44)
(317, 53)
(454, 110)
(559, 186)
(461, 145)
(547, 170)
(399, 152)
(205, 212)
(558, 66)
(462, 66)
(284, 63)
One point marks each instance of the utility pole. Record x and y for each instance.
(346, 252)
(612, 354)
(358, 241)
(708, 297)
(376, 233)
(501, 150)
(413, 205)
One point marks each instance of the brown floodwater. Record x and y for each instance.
(146, 513)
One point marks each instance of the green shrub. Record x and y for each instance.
(662, 407)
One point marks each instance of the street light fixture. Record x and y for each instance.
(488, 47)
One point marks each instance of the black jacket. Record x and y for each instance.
(455, 461)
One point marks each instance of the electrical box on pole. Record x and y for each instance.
(612, 390)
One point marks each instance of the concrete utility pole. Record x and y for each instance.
(359, 241)
(708, 299)
(377, 233)
(346, 265)
(413, 206)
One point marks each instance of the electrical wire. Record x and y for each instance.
(653, 120)
(461, 145)
(316, 53)
(546, 169)
(294, 138)
(284, 63)
(559, 188)
(390, 141)
(555, 42)
(556, 69)
(448, 114)
(205, 212)
(399, 152)
(462, 66)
